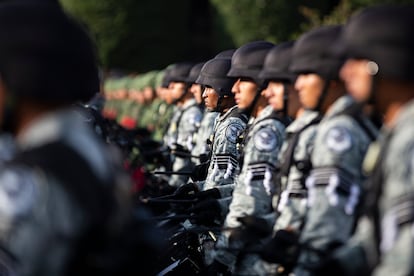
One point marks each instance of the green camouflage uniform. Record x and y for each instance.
(162, 120)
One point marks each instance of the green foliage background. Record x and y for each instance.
(142, 35)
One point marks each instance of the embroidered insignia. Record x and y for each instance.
(338, 139)
(233, 131)
(265, 140)
(16, 193)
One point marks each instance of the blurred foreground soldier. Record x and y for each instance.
(379, 71)
(57, 195)
(341, 141)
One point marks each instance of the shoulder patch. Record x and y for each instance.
(265, 139)
(233, 131)
(17, 191)
(338, 139)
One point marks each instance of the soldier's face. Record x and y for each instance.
(274, 94)
(167, 96)
(210, 97)
(244, 90)
(197, 92)
(176, 89)
(310, 88)
(357, 75)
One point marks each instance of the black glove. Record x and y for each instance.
(204, 158)
(199, 172)
(217, 268)
(179, 151)
(186, 191)
(206, 212)
(256, 226)
(282, 249)
(213, 193)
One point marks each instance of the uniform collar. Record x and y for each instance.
(339, 105)
(225, 115)
(50, 127)
(306, 117)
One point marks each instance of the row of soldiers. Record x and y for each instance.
(306, 149)
(308, 167)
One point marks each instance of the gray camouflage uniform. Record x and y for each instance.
(184, 124)
(254, 188)
(392, 252)
(203, 134)
(291, 205)
(37, 213)
(224, 164)
(334, 185)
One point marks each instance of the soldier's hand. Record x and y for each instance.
(186, 191)
(199, 172)
(204, 158)
(179, 151)
(256, 226)
(206, 212)
(282, 249)
(213, 193)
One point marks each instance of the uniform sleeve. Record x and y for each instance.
(397, 205)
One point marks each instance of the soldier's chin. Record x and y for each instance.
(210, 109)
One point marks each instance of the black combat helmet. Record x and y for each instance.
(214, 74)
(276, 64)
(166, 78)
(248, 61)
(180, 72)
(276, 68)
(385, 35)
(194, 72)
(226, 53)
(44, 54)
(311, 53)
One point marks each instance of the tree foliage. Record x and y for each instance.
(275, 21)
(136, 35)
(150, 34)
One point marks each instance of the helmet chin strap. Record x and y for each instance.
(285, 100)
(323, 95)
(219, 108)
(249, 110)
